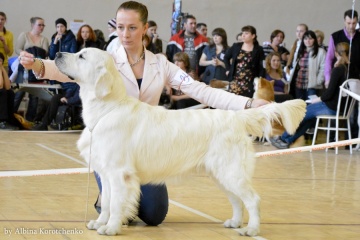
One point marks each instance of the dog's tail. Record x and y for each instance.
(266, 119)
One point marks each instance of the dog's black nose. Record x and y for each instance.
(58, 55)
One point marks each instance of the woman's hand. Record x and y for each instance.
(258, 103)
(155, 37)
(27, 59)
(315, 100)
(57, 38)
(63, 100)
(2, 39)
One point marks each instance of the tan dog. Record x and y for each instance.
(219, 83)
(264, 89)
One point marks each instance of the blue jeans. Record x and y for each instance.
(304, 93)
(154, 202)
(312, 111)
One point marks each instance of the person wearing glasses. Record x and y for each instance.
(34, 42)
(33, 37)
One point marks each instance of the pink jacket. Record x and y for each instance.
(159, 72)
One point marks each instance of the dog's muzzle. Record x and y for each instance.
(58, 60)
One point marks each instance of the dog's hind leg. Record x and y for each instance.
(251, 201)
(237, 207)
(124, 197)
(240, 190)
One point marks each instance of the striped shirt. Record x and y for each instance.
(303, 73)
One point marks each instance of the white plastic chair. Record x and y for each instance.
(350, 93)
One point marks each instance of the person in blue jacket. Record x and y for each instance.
(63, 40)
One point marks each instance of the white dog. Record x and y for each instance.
(130, 142)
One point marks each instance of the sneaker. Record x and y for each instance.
(278, 143)
(40, 127)
(310, 131)
(7, 127)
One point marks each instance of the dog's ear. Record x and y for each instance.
(104, 84)
(261, 82)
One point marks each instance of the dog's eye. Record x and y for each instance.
(81, 56)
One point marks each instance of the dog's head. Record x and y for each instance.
(264, 89)
(92, 68)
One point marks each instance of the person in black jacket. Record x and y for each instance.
(247, 63)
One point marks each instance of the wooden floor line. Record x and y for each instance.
(310, 179)
(39, 221)
(45, 172)
(307, 148)
(50, 131)
(62, 154)
(206, 216)
(211, 222)
(195, 211)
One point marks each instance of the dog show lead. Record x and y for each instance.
(145, 77)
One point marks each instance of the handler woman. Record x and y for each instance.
(145, 75)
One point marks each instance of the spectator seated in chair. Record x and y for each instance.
(7, 119)
(327, 103)
(179, 99)
(69, 96)
(275, 73)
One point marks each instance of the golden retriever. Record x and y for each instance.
(130, 142)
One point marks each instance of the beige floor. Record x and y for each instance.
(304, 196)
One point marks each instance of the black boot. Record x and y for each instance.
(40, 127)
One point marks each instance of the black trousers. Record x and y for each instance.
(52, 109)
(7, 107)
(32, 106)
(185, 103)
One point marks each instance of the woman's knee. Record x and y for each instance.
(154, 204)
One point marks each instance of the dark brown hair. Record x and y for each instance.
(4, 15)
(349, 13)
(137, 7)
(92, 36)
(183, 57)
(301, 52)
(222, 33)
(275, 33)
(251, 30)
(151, 24)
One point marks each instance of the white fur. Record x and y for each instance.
(133, 143)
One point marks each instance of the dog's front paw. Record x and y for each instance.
(109, 230)
(230, 223)
(94, 225)
(246, 231)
